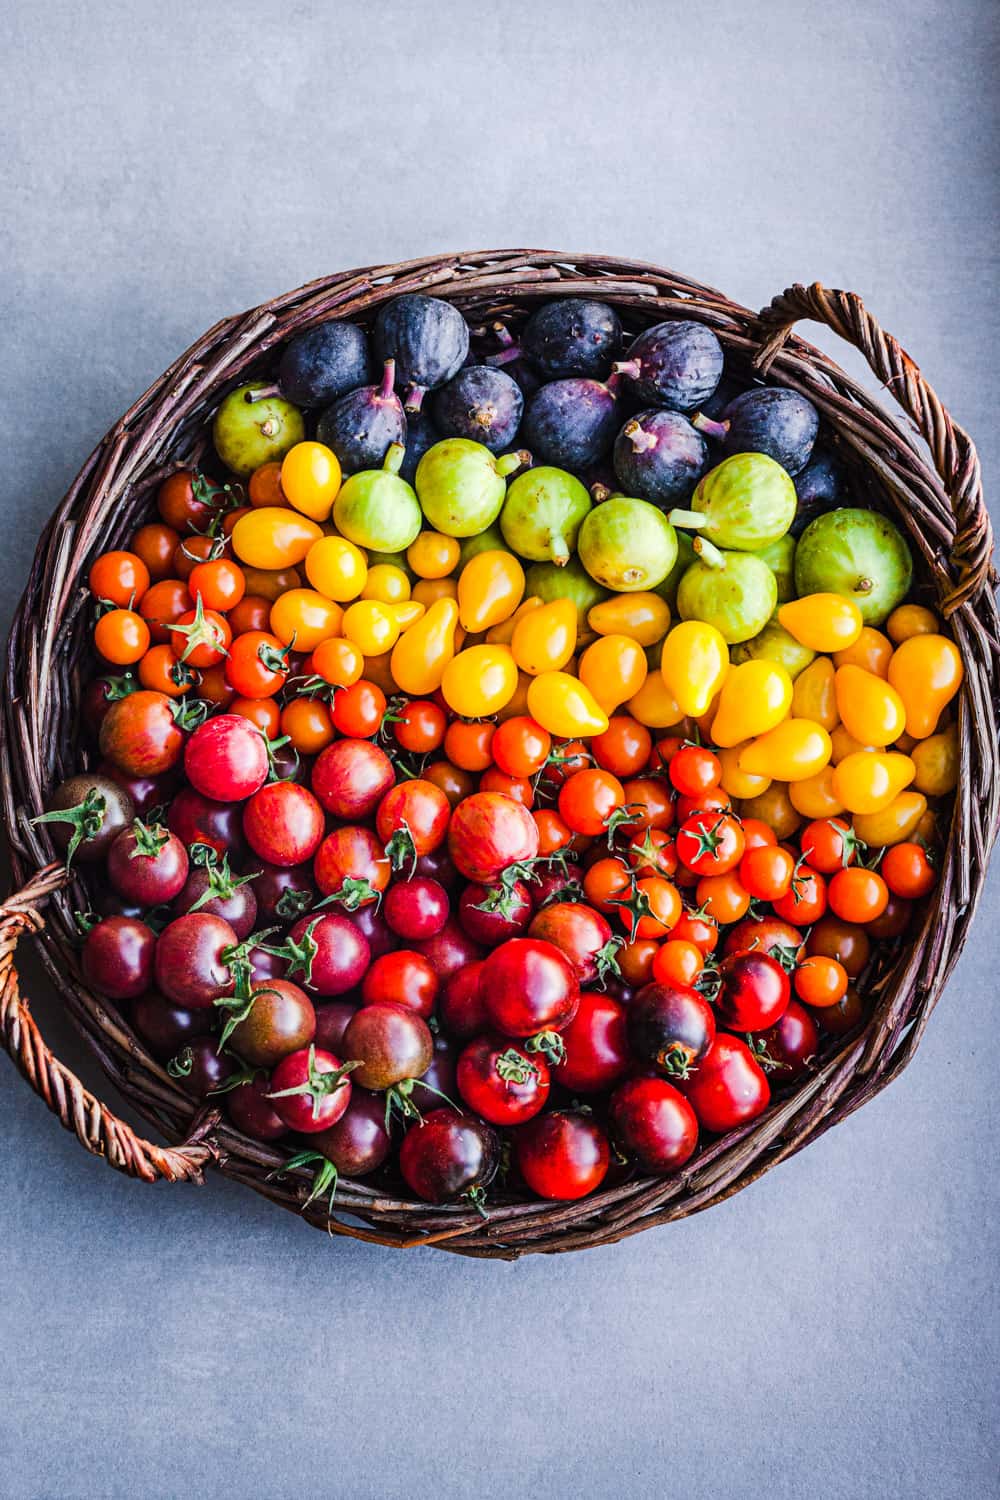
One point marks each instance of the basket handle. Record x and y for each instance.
(95, 1127)
(952, 449)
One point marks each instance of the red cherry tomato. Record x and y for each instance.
(710, 843)
(502, 1082)
(401, 978)
(728, 1088)
(754, 992)
(226, 759)
(310, 1090)
(283, 823)
(528, 986)
(693, 770)
(597, 1054)
(563, 1155)
(653, 1124)
(588, 799)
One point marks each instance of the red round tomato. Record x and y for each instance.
(140, 734)
(310, 1090)
(358, 710)
(805, 900)
(791, 1044)
(728, 1088)
(710, 842)
(588, 799)
(520, 747)
(487, 833)
(829, 844)
(654, 1124)
(907, 871)
(582, 934)
(501, 1082)
(528, 986)
(597, 1054)
(670, 1027)
(257, 664)
(411, 820)
(754, 992)
(226, 759)
(351, 864)
(694, 770)
(283, 823)
(350, 778)
(563, 1155)
(401, 978)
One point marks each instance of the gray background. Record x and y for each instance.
(833, 1330)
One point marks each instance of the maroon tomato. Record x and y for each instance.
(191, 954)
(351, 865)
(214, 888)
(350, 778)
(555, 885)
(728, 1088)
(226, 758)
(491, 914)
(251, 1111)
(791, 1043)
(416, 908)
(117, 957)
(283, 823)
(326, 953)
(488, 832)
(402, 978)
(438, 866)
(449, 950)
(449, 1156)
(198, 820)
(277, 1019)
(596, 1043)
(502, 1083)
(331, 1023)
(653, 1123)
(140, 734)
(392, 1046)
(563, 1155)
(373, 928)
(359, 1142)
(439, 1080)
(200, 1068)
(146, 792)
(460, 1005)
(528, 986)
(310, 1089)
(282, 892)
(771, 935)
(165, 1027)
(412, 819)
(670, 1027)
(754, 992)
(147, 865)
(582, 934)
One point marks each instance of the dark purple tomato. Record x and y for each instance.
(286, 762)
(562, 1155)
(596, 1043)
(328, 954)
(502, 1082)
(449, 950)
(265, 966)
(371, 924)
(283, 823)
(98, 696)
(791, 1043)
(147, 864)
(528, 986)
(449, 1156)
(331, 1023)
(439, 1078)
(359, 1142)
(282, 892)
(216, 890)
(281, 1020)
(198, 820)
(310, 1090)
(677, 365)
(146, 792)
(416, 909)
(350, 778)
(226, 758)
(85, 814)
(199, 1067)
(492, 914)
(754, 992)
(165, 1027)
(117, 957)
(190, 964)
(252, 1112)
(849, 1012)
(654, 1124)
(438, 865)
(106, 902)
(391, 1044)
(670, 1027)
(461, 1010)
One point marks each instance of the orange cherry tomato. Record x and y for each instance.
(652, 851)
(518, 788)
(723, 897)
(820, 981)
(467, 744)
(253, 612)
(677, 962)
(858, 894)
(908, 872)
(649, 802)
(213, 686)
(220, 583)
(757, 835)
(264, 487)
(421, 726)
(338, 661)
(192, 550)
(554, 833)
(161, 672)
(122, 637)
(698, 927)
(624, 747)
(608, 882)
(805, 900)
(201, 636)
(163, 605)
(264, 713)
(588, 799)
(358, 710)
(662, 901)
(521, 746)
(155, 545)
(636, 959)
(257, 665)
(767, 872)
(452, 780)
(121, 578)
(307, 723)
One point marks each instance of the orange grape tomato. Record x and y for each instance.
(201, 636)
(257, 665)
(677, 961)
(122, 578)
(467, 744)
(163, 605)
(517, 788)
(724, 898)
(820, 981)
(307, 723)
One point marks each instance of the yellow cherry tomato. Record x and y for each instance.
(655, 705)
(894, 824)
(736, 782)
(428, 591)
(755, 697)
(274, 537)
(336, 568)
(310, 479)
(565, 707)
(773, 807)
(372, 626)
(407, 613)
(490, 588)
(869, 708)
(911, 619)
(927, 672)
(926, 832)
(936, 759)
(814, 797)
(868, 781)
(694, 662)
(845, 744)
(480, 681)
(814, 696)
(544, 639)
(503, 634)
(823, 622)
(518, 706)
(386, 583)
(614, 668)
(643, 616)
(433, 555)
(421, 654)
(267, 584)
(305, 618)
(792, 751)
(872, 650)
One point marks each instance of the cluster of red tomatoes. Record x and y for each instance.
(458, 951)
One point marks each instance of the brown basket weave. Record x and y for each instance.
(937, 499)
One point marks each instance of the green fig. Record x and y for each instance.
(377, 509)
(685, 557)
(734, 591)
(490, 540)
(780, 558)
(249, 433)
(745, 503)
(627, 544)
(858, 553)
(774, 643)
(461, 485)
(542, 514)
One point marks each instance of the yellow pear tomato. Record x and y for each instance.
(872, 650)
(565, 707)
(372, 626)
(274, 537)
(304, 618)
(643, 616)
(869, 780)
(845, 744)
(336, 568)
(544, 639)
(694, 661)
(755, 697)
(614, 668)
(739, 783)
(869, 708)
(792, 751)
(894, 824)
(936, 760)
(655, 705)
(431, 554)
(814, 797)
(480, 681)
(421, 654)
(823, 622)
(490, 588)
(926, 671)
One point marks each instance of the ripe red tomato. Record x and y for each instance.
(582, 934)
(766, 872)
(754, 992)
(805, 900)
(350, 778)
(460, 1004)
(502, 1082)
(487, 833)
(520, 747)
(416, 908)
(518, 788)
(420, 726)
(651, 851)
(358, 710)
(563, 1155)
(649, 803)
(140, 734)
(653, 1124)
(710, 842)
(728, 1088)
(257, 665)
(693, 770)
(771, 935)
(283, 823)
(226, 759)
(412, 819)
(791, 1043)
(698, 927)
(907, 871)
(624, 747)
(829, 844)
(310, 1090)
(596, 1043)
(492, 914)
(528, 986)
(351, 864)
(402, 977)
(588, 799)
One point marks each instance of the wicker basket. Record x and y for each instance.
(937, 499)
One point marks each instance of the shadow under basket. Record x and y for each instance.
(924, 472)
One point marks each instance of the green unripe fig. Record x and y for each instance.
(461, 485)
(780, 558)
(745, 503)
(774, 643)
(627, 544)
(858, 553)
(542, 514)
(734, 591)
(377, 509)
(249, 433)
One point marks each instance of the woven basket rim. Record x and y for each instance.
(937, 498)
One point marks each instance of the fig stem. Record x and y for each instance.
(709, 427)
(388, 379)
(504, 356)
(262, 393)
(413, 399)
(709, 552)
(394, 458)
(560, 551)
(691, 520)
(630, 367)
(511, 461)
(641, 440)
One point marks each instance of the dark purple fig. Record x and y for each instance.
(660, 457)
(482, 404)
(819, 487)
(572, 423)
(361, 426)
(250, 1110)
(676, 365)
(421, 434)
(85, 814)
(727, 390)
(324, 363)
(211, 886)
(165, 1027)
(427, 338)
(768, 420)
(572, 337)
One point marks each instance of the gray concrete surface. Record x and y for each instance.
(831, 1332)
